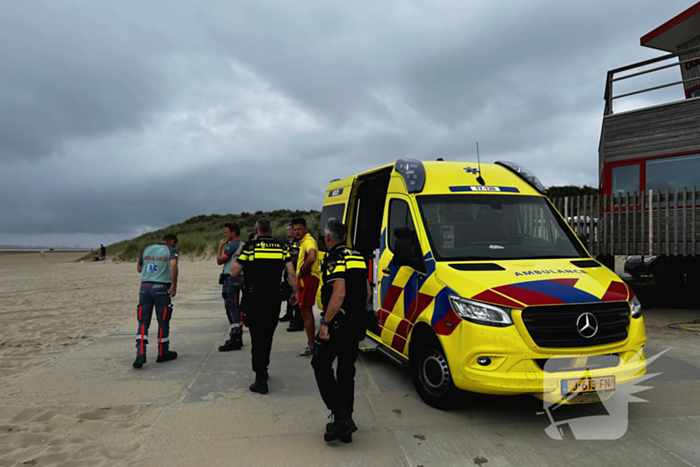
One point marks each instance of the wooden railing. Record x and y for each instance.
(663, 223)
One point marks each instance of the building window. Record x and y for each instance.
(625, 178)
(673, 172)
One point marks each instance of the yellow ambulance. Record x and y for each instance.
(481, 286)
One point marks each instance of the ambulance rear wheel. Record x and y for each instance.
(431, 376)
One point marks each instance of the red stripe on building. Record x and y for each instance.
(528, 297)
(420, 303)
(617, 291)
(391, 297)
(448, 323)
(398, 343)
(490, 296)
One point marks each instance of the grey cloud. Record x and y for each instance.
(118, 116)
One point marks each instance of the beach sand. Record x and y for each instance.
(49, 308)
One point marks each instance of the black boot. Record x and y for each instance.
(140, 360)
(259, 386)
(167, 357)
(234, 343)
(287, 316)
(342, 428)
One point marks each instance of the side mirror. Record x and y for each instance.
(406, 250)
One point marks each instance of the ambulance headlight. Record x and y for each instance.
(636, 307)
(480, 313)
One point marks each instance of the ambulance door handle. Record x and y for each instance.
(386, 271)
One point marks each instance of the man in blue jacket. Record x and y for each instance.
(158, 268)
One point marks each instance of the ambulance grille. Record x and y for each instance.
(555, 326)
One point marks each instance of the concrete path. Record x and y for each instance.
(198, 410)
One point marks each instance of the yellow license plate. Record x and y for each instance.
(598, 383)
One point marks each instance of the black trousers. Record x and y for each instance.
(262, 313)
(337, 391)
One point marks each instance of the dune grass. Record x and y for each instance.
(199, 234)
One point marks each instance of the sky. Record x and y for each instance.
(119, 117)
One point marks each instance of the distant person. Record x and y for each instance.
(159, 271)
(95, 257)
(309, 275)
(229, 248)
(344, 296)
(263, 260)
(103, 252)
(293, 313)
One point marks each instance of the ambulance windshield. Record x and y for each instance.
(495, 227)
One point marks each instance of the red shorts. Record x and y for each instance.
(308, 286)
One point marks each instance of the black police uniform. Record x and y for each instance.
(345, 330)
(293, 313)
(263, 260)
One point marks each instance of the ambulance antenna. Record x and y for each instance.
(478, 160)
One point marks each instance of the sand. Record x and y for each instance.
(49, 308)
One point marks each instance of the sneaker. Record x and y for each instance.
(140, 360)
(167, 357)
(295, 327)
(307, 352)
(259, 386)
(232, 344)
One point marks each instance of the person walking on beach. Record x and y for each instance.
(293, 313)
(103, 252)
(345, 294)
(309, 274)
(159, 271)
(229, 247)
(263, 261)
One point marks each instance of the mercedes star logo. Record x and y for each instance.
(587, 325)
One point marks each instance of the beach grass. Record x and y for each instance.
(200, 234)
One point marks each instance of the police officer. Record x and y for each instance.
(345, 294)
(228, 248)
(293, 313)
(158, 267)
(263, 261)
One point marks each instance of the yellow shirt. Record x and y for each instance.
(307, 244)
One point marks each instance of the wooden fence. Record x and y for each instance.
(653, 223)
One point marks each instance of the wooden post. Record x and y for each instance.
(612, 224)
(658, 220)
(685, 226)
(604, 227)
(693, 219)
(668, 223)
(675, 223)
(651, 222)
(578, 215)
(634, 223)
(627, 223)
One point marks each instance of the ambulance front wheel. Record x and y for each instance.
(431, 375)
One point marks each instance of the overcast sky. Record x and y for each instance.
(123, 116)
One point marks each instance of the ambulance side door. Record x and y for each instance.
(398, 285)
